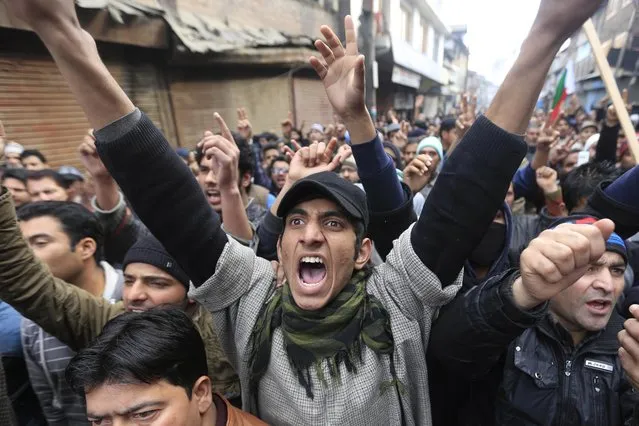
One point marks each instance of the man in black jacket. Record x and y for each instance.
(534, 363)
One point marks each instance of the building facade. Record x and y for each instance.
(180, 61)
(409, 50)
(618, 27)
(456, 67)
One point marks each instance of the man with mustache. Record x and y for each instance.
(538, 363)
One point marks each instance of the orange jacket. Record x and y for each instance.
(237, 417)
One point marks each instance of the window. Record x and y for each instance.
(424, 36)
(407, 24)
(583, 51)
(436, 40)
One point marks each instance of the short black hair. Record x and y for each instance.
(33, 153)
(245, 163)
(269, 145)
(50, 174)
(17, 174)
(76, 221)
(446, 125)
(275, 160)
(411, 141)
(145, 347)
(268, 136)
(582, 182)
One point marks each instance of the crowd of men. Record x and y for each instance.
(476, 269)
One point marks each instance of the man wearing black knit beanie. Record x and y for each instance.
(152, 278)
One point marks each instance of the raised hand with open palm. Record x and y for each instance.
(342, 72)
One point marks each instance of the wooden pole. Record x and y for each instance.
(611, 86)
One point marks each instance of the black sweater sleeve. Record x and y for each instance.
(467, 194)
(607, 145)
(475, 329)
(386, 227)
(166, 197)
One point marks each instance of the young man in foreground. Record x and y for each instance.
(150, 368)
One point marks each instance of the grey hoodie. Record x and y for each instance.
(47, 358)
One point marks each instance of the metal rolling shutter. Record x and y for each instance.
(196, 97)
(311, 103)
(146, 86)
(39, 111)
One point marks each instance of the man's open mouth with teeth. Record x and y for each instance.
(599, 306)
(311, 271)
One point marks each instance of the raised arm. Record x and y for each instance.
(77, 58)
(160, 187)
(341, 69)
(225, 156)
(121, 228)
(473, 183)
(476, 328)
(607, 145)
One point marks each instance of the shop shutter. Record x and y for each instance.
(196, 96)
(311, 103)
(39, 111)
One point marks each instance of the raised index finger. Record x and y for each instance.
(224, 129)
(464, 103)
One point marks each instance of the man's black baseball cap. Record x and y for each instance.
(330, 186)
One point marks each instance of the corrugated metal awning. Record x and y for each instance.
(201, 34)
(118, 8)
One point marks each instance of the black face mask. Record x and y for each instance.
(490, 247)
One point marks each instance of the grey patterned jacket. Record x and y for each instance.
(411, 293)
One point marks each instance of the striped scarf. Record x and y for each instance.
(332, 335)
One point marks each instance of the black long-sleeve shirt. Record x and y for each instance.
(165, 195)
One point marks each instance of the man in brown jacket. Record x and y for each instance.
(76, 317)
(150, 368)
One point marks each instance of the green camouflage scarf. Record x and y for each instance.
(334, 334)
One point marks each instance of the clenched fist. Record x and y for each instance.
(557, 259)
(547, 179)
(418, 172)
